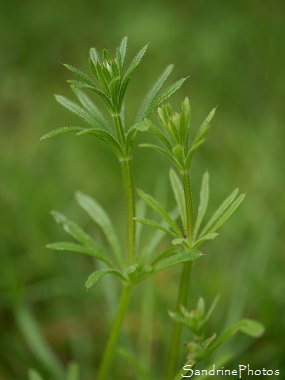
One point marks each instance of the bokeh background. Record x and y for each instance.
(234, 55)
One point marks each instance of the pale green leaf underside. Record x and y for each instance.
(95, 276)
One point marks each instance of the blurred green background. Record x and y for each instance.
(234, 54)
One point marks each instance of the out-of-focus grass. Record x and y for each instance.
(234, 55)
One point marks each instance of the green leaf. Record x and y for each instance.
(99, 216)
(153, 92)
(85, 78)
(75, 108)
(167, 253)
(75, 231)
(247, 326)
(133, 133)
(152, 223)
(160, 98)
(156, 206)
(87, 250)
(219, 212)
(204, 198)
(60, 131)
(156, 131)
(212, 309)
(106, 137)
(160, 150)
(179, 196)
(122, 50)
(97, 117)
(178, 258)
(135, 62)
(95, 276)
(34, 375)
(96, 90)
(204, 127)
(198, 242)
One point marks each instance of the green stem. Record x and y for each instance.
(115, 332)
(130, 208)
(173, 359)
(119, 129)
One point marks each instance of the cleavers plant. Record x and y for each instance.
(111, 79)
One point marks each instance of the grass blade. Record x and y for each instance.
(179, 196)
(156, 206)
(153, 92)
(100, 217)
(204, 198)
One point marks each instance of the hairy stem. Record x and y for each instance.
(115, 332)
(119, 128)
(173, 359)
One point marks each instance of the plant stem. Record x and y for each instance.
(115, 332)
(126, 293)
(182, 299)
(130, 208)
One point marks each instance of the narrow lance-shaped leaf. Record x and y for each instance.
(156, 206)
(179, 196)
(204, 127)
(219, 212)
(93, 110)
(153, 92)
(74, 230)
(160, 150)
(75, 108)
(160, 98)
(74, 247)
(95, 276)
(204, 198)
(156, 131)
(106, 137)
(178, 258)
(122, 53)
(152, 223)
(99, 216)
(135, 62)
(198, 242)
(60, 131)
(227, 213)
(85, 78)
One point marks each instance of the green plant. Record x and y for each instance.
(110, 82)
